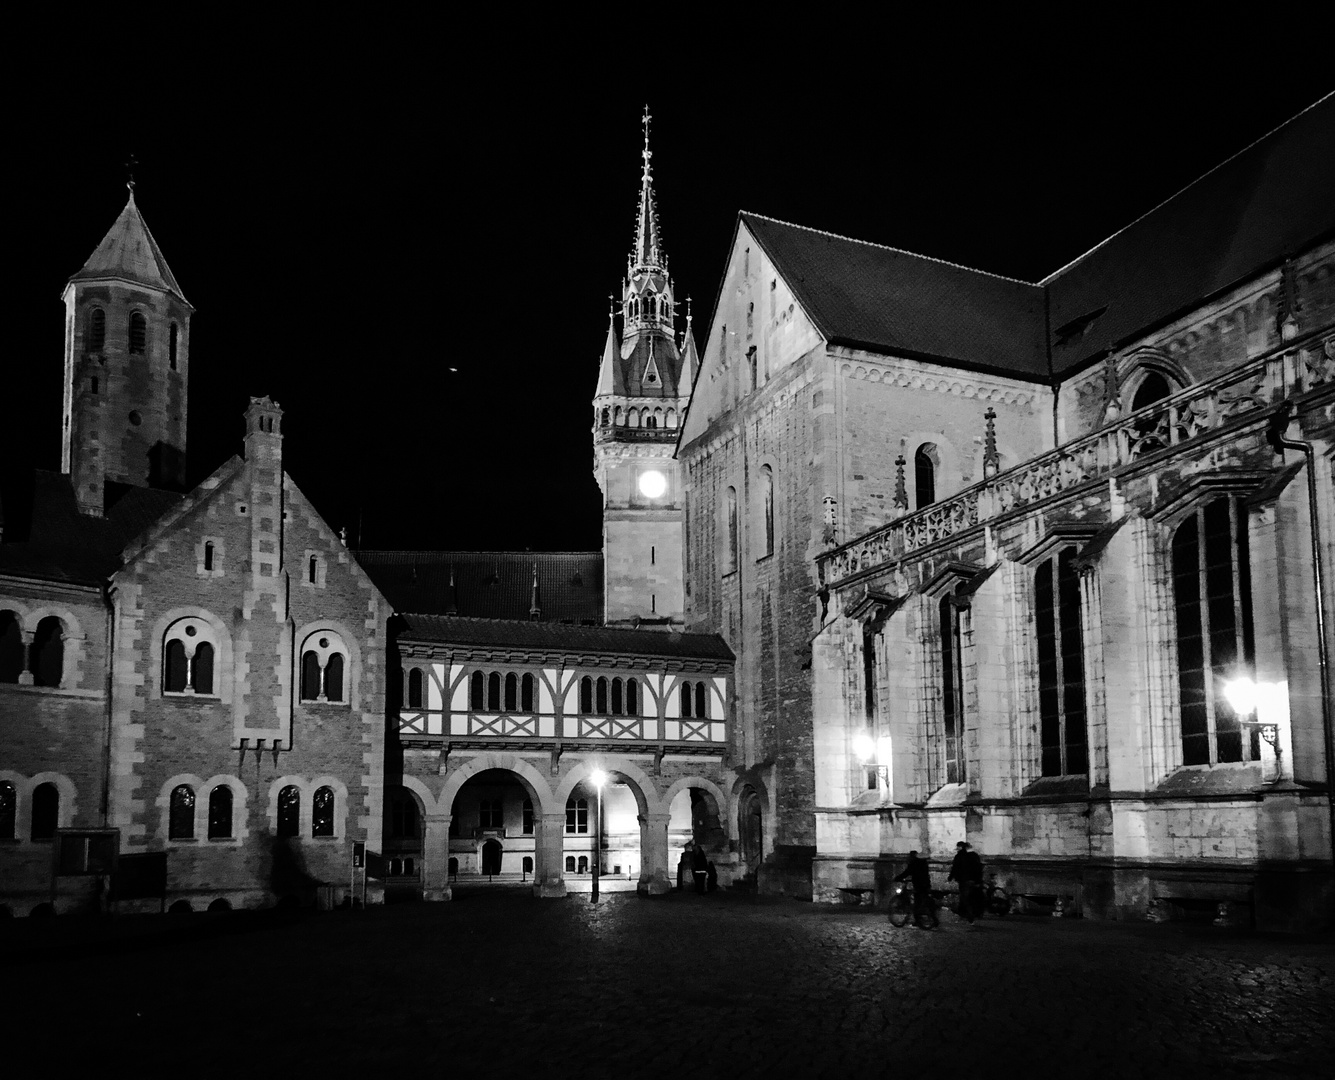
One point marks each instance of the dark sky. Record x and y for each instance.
(352, 220)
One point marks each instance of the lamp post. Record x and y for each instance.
(1247, 698)
(598, 778)
(875, 754)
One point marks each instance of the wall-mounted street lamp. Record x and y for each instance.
(1255, 705)
(597, 778)
(875, 754)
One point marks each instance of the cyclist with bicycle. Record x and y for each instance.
(919, 876)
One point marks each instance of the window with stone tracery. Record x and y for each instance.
(181, 813)
(952, 691)
(323, 661)
(1061, 671)
(1215, 637)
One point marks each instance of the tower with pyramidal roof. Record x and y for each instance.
(644, 384)
(127, 330)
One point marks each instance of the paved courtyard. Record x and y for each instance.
(683, 986)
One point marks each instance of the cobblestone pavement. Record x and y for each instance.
(680, 986)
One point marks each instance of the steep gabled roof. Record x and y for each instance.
(490, 584)
(550, 638)
(1274, 199)
(875, 297)
(129, 253)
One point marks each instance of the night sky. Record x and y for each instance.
(350, 231)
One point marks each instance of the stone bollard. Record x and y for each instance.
(1158, 911)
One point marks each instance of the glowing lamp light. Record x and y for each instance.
(598, 778)
(1243, 695)
(652, 484)
(864, 746)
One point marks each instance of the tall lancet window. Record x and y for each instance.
(1061, 672)
(767, 509)
(730, 514)
(924, 474)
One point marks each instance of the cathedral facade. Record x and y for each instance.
(1038, 566)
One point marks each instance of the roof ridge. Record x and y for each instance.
(1182, 190)
(888, 247)
(452, 551)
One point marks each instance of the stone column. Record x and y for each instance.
(548, 870)
(436, 858)
(654, 879)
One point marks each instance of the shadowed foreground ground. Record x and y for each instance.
(682, 986)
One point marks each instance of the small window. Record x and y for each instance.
(208, 555)
(289, 812)
(322, 812)
(313, 570)
(767, 509)
(577, 815)
(701, 701)
(528, 817)
(601, 702)
(616, 697)
(201, 671)
(632, 697)
(97, 330)
(476, 698)
(586, 695)
(333, 677)
(686, 699)
(511, 692)
(570, 864)
(174, 677)
(181, 817)
(491, 813)
(494, 692)
(526, 694)
(310, 676)
(220, 813)
(138, 333)
(924, 474)
(45, 811)
(415, 688)
(730, 512)
(171, 346)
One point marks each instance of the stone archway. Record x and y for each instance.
(750, 824)
(633, 832)
(698, 818)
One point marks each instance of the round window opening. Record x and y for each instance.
(324, 643)
(136, 419)
(190, 631)
(652, 484)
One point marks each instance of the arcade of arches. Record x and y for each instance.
(502, 817)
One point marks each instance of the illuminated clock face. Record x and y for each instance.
(652, 484)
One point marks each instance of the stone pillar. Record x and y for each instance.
(25, 675)
(548, 870)
(436, 858)
(654, 880)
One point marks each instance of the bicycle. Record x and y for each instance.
(995, 899)
(902, 903)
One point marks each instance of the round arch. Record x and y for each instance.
(646, 794)
(430, 807)
(538, 788)
(223, 671)
(720, 800)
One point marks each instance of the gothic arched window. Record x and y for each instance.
(1215, 639)
(730, 513)
(310, 676)
(767, 509)
(138, 333)
(925, 461)
(181, 814)
(322, 812)
(220, 813)
(952, 703)
(45, 811)
(289, 811)
(1061, 670)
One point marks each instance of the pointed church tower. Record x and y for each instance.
(643, 387)
(127, 333)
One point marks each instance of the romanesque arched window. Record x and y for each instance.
(1061, 670)
(188, 652)
(650, 421)
(925, 463)
(289, 811)
(494, 692)
(632, 697)
(730, 515)
(476, 693)
(511, 692)
(323, 660)
(46, 654)
(701, 700)
(600, 705)
(577, 815)
(586, 695)
(138, 333)
(181, 813)
(686, 699)
(45, 811)
(9, 805)
(220, 813)
(1215, 638)
(606, 416)
(617, 704)
(526, 687)
(415, 688)
(322, 812)
(208, 555)
(97, 330)
(11, 647)
(767, 510)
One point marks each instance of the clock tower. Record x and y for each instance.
(644, 386)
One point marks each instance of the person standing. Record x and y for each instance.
(919, 875)
(973, 876)
(700, 867)
(958, 875)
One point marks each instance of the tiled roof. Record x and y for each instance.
(490, 584)
(65, 545)
(887, 300)
(1275, 198)
(629, 371)
(129, 253)
(553, 637)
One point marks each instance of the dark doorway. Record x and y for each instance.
(491, 857)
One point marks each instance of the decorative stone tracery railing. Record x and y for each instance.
(1292, 369)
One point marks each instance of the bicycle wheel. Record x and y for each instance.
(901, 909)
(930, 920)
(999, 901)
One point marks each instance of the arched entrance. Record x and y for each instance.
(695, 821)
(611, 825)
(750, 830)
(493, 828)
(491, 856)
(403, 839)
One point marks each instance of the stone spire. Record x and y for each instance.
(535, 603)
(128, 253)
(611, 353)
(690, 359)
(647, 252)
